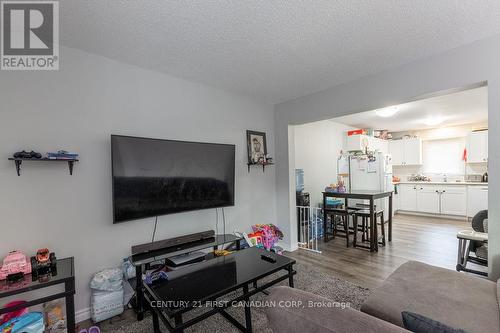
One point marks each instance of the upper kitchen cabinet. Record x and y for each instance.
(406, 151)
(477, 147)
(363, 142)
(396, 149)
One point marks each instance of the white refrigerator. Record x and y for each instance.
(373, 173)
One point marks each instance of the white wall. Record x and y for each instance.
(77, 108)
(469, 64)
(317, 148)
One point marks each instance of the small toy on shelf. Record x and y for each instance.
(26, 155)
(14, 266)
(43, 263)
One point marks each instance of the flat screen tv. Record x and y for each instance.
(153, 177)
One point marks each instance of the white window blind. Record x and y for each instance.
(444, 156)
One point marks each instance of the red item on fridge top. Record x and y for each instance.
(356, 132)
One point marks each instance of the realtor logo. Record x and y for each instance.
(29, 35)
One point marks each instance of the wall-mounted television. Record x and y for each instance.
(153, 177)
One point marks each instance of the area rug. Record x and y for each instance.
(306, 279)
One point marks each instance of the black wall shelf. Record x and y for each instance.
(19, 161)
(263, 165)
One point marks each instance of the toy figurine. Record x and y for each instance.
(43, 263)
(15, 265)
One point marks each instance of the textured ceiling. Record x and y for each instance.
(269, 49)
(465, 107)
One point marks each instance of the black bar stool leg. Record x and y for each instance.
(346, 228)
(382, 224)
(333, 226)
(355, 223)
(363, 226)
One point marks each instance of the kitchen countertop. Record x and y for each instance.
(442, 183)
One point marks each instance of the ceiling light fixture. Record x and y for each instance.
(433, 121)
(387, 112)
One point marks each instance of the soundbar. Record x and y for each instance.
(171, 242)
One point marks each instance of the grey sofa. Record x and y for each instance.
(458, 300)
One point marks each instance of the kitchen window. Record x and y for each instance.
(444, 156)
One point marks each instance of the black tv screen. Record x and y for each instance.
(153, 177)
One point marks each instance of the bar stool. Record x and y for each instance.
(365, 225)
(343, 222)
(359, 207)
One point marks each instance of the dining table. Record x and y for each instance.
(370, 196)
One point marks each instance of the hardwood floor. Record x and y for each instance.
(429, 240)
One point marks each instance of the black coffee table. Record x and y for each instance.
(204, 284)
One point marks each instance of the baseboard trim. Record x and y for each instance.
(293, 247)
(82, 315)
(439, 216)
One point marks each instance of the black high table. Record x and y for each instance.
(371, 196)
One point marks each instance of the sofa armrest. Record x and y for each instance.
(295, 310)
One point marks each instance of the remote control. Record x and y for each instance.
(267, 258)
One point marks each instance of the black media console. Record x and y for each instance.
(146, 254)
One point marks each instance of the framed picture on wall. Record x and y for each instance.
(257, 147)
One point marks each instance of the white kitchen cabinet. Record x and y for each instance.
(357, 142)
(408, 197)
(396, 205)
(477, 199)
(477, 147)
(413, 151)
(396, 151)
(454, 200)
(406, 151)
(360, 142)
(434, 199)
(428, 199)
(380, 145)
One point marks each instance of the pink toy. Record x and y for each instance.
(15, 262)
(271, 234)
